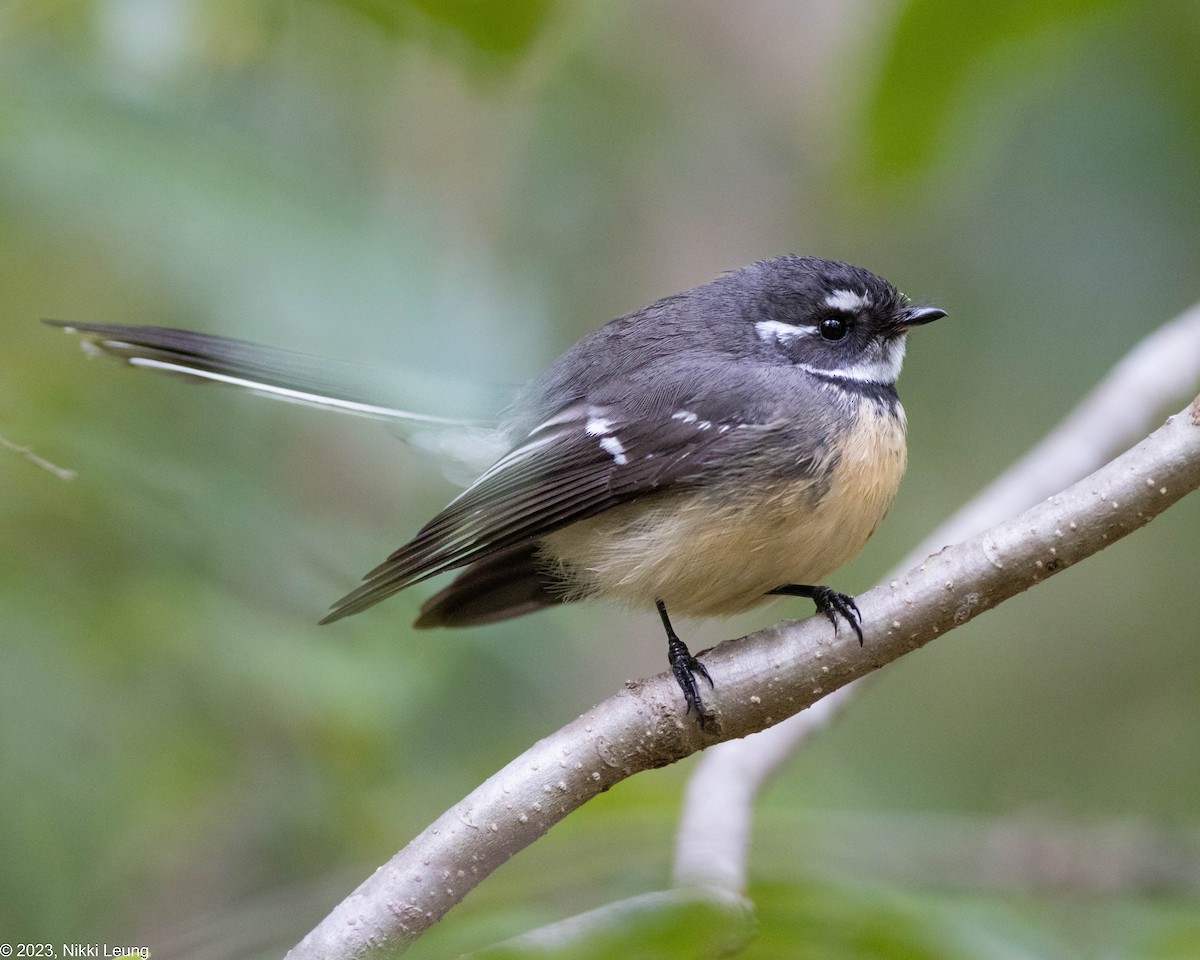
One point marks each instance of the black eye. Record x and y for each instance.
(834, 327)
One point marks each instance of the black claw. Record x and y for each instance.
(834, 604)
(686, 668)
(829, 602)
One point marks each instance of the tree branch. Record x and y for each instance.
(763, 678)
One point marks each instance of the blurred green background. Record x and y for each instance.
(464, 188)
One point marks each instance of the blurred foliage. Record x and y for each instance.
(483, 28)
(457, 190)
(935, 55)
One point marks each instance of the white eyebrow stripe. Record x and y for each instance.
(778, 330)
(847, 300)
(295, 396)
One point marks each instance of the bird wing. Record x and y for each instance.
(576, 464)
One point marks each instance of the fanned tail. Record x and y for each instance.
(297, 378)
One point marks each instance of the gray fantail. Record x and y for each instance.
(703, 454)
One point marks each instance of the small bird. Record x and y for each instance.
(701, 455)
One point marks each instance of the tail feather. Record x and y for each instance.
(507, 584)
(300, 378)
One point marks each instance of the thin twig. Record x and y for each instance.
(27, 452)
(765, 677)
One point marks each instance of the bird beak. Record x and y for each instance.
(917, 316)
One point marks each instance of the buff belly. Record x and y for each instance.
(716, 551)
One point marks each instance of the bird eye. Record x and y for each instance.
(833, 327)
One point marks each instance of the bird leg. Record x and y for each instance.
(685, 667)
